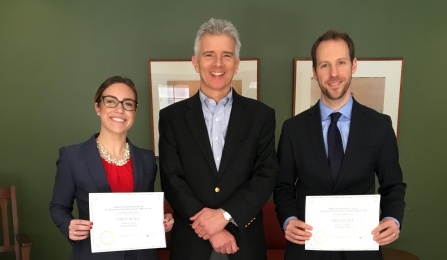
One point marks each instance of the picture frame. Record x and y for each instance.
(377, 83)
(174, 80)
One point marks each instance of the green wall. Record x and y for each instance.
(54, 54)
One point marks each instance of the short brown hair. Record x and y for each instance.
(332, 35)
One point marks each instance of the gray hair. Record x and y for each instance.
(218, 27)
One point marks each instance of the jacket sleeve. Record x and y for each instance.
(61, 205)
(389, 173)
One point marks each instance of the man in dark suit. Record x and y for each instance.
(310, 165)
(217, 157)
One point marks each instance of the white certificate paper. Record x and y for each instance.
(126, 221)
(342, 223)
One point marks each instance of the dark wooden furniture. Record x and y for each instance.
(8, 208)
(396, 254)
(274, 236)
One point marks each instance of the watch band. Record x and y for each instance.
(226, 215)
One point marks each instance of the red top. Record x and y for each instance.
(120, 177)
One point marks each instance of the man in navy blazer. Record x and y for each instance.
(369, 150)
(218, 163)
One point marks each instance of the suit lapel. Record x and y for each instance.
(236, 126)
(137, 167)
(196, 122)
(316, 136)
(94, 165)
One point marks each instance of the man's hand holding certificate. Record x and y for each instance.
(342, 222)
(126, 221)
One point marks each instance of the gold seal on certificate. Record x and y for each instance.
(126, 221)
(342, 223)
(106, 237)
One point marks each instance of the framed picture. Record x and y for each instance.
(376, 83)
(175, 80)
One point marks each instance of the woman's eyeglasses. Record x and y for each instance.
(112, 102)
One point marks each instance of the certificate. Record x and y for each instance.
(342, 223)
(126, 221)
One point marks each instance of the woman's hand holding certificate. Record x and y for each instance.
(127, 221)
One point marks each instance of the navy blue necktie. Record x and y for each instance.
(334, 147)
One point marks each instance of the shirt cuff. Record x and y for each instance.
(287, 222)
(395, 220)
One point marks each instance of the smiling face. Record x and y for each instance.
(216, 63)
(116, 120)
(333, 72)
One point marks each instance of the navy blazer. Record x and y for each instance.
(79, 172)
(304, 171)
(244, 182)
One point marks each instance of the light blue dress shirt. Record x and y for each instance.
(343, 124)
(217, 116)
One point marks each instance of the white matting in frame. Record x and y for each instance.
(175, 80)
(376, 84)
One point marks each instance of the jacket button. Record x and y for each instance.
(217, 189)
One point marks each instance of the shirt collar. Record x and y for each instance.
(345, 110)
(206, 100)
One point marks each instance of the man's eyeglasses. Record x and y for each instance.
(112, 102)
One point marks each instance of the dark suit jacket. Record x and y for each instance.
(79, 172)
(371, 150)
(242, 185)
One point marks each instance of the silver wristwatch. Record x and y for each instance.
(226, 215)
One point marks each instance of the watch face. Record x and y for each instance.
(226, 215)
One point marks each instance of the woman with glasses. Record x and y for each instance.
(107, 162)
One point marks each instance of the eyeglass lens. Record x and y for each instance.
(113, 102)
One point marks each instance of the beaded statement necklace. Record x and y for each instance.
(106, 156)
